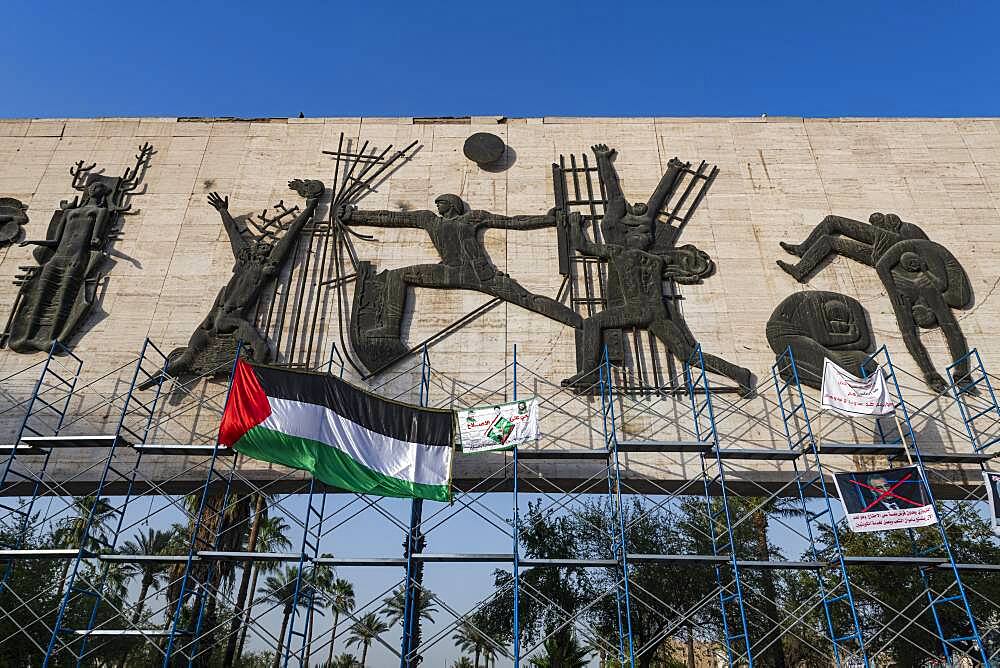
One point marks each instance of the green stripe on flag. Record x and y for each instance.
(332, 466)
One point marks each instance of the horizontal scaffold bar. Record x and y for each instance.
(102, 441)
(665, 446)
(505, 557)
(860, 449)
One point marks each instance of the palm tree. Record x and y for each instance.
(70, 532)
(562, 650)
(280, 590)
(271, 537)
(259, 515)
(342, 661)
(153, 542)
(469, 639)
(462, 662)
(364, 631)
(340, 598)
(393, 606)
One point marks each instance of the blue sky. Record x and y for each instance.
(514, 58)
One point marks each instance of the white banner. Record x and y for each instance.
(993, 494)
(846, 394)
(887, 499)
(498, 427)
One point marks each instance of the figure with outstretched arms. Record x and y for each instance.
(457, 236)
(258, 261)
(638, 264)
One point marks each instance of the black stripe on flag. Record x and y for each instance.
(406, 422)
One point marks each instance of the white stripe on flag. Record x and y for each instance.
(413, 462)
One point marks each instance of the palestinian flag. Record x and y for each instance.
(346, 437)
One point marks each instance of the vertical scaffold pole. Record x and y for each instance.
(84, 549)
(948, 644)
(619, 544)
(517, 546)
(60, 408)
(697, 382)
(414, 544)
(792, 407)
(202, 594)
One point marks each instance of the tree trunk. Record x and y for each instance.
(364, 654)
(246, 617)
(147, 582)
(477, 656)
(333, 634)
(241, 597)
(770, 591)
(310, 617)
(281, 636)
(690, 646)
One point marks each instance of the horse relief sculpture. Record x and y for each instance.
(56, 295)
(259, 259)
(923, 279)
(380, 298)
(817, 325)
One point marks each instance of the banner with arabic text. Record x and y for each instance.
(498, 427)
(886, 499)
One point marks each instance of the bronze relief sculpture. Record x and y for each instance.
(56, 295)
(380, 298)
(924, 281)
(641, 255)
(13, 217)
(817, 325)
(259, 259)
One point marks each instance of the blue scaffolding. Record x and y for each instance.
(91, 545)
(189, 613)
(834, 583)
(720, 533)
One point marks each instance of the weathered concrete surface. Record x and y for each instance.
(777, 179)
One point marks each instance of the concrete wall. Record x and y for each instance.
(778, 178)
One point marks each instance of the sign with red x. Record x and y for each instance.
(887, 499)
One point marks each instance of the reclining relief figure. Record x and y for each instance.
(923, 279)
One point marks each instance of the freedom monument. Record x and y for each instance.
(644, 237)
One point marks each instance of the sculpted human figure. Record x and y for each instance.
(258, 262)
(923, 279)
(636, 271)
(620, 217)
(819, 325)
(457, 236)
(63, 289)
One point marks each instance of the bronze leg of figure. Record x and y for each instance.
(243, 330)
(679, 340)
(593, 336)
(506, 288)
(833, 225)
(819, 251)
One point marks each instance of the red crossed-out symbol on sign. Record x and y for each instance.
(889, 492)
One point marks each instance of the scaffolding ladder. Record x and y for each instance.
(848, 643)
(122, 436)
(723, 545)
(57, 408)
(970, 635)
